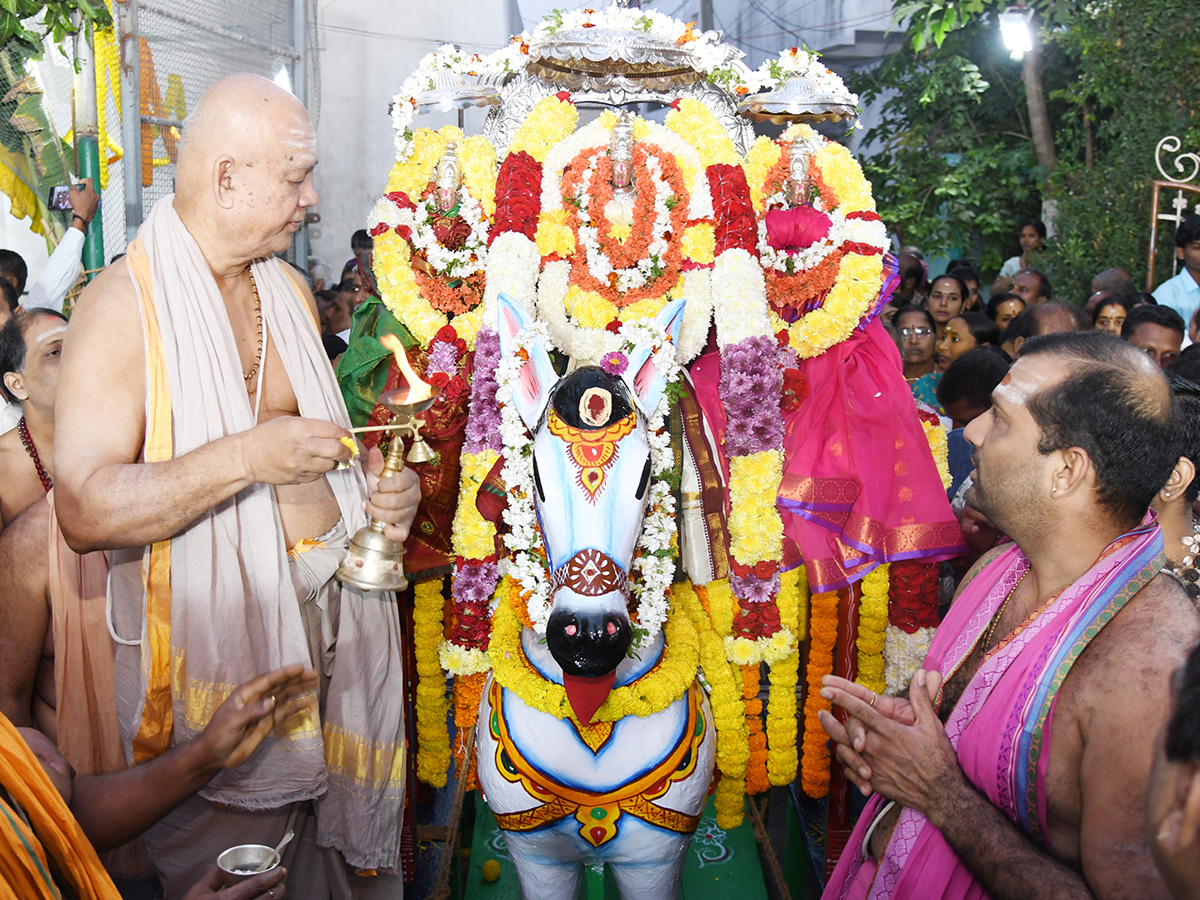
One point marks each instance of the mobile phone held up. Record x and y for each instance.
(60, 196)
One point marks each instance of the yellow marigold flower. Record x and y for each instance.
(472, 534)
(549, 122)
(696, 124)
(699, 243)
(842, 172)
(763, 156)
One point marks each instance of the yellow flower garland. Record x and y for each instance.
(782, 734)
(695, 123)
(392, 258)
(654, 691)
(859, 277)
(548, 122)
(872, 624)
(588, 309)
(433, 743)
(729, 719)
(935, 434)
(473, 536)
(754, 525)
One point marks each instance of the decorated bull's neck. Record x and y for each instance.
(653, 564)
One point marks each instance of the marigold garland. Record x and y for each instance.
(654, 691)
(814, 770)
(433, 744)
(756, 766)
(935, 434)
(729, 719)
(782, 733)
(468, 689)
(872, 622)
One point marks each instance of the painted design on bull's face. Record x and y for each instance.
(593, 451)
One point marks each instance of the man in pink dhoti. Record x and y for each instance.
(209, 451)
(1019, 768)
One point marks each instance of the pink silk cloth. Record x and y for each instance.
(1001, 727)
(860, 486)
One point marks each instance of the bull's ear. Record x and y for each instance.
(536, 375)
(641, 375)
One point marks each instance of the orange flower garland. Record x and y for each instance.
(814, 770)
(756, 767)
(468, 689)
(433, 743)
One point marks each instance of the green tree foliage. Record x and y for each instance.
(28, 22)
(952, 161)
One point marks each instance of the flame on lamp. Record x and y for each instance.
(417, 389)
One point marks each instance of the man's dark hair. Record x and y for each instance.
(1183, 728)
(1152, 315)
(1121, 300)
(1029, 321)
(12, 342)
(1187, 427)
(1037, 225)
(11, 298)
(993, 305)
(972, 377)
(1044, 288)
(12, 264)
(360, 242)
(1187, 364)
(1113, 279)
(982, 328)
(964, 270)
(1188, 231)
(1114, 406)
(1142, 298)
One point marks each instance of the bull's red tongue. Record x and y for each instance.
(586, 695)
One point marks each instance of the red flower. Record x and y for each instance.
(452, 232)
(913, 597)
(614, 326)
(675, 103)
(781, 337)
(765, 568)
(401, 199)
(736, 227)
(795, 389)
(404, 231)
(518, 195)
(439, 380)
(378, 229)
(447, 333)
(564, 96)
(796, 229)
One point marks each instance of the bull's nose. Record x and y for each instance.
(587, 645)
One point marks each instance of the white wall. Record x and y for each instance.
(367, 51)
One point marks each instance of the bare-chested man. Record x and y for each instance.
(213, 450)
(1025, 775)
(30, 349)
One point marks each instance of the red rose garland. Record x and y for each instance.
(518, 196)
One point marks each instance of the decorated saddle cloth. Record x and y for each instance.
(42, 847)
(215, 606)
(1001, 726)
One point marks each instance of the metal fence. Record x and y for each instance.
(171, 51)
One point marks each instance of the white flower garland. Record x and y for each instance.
(469, 259)
(653, 564)
(903, 654)
(740, 297)
(512, 268)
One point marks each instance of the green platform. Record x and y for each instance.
(719, 864)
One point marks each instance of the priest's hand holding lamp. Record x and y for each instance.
(373, 561)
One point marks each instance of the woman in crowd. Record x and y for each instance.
(918, 337)
(965, 332)
(1032, 237)
(969, 277)
(1003, 308)
(947, 294)
(1109, 314)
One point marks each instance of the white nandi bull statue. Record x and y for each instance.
(567, 791)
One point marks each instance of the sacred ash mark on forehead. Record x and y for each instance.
(1018, 385)
(52, 333)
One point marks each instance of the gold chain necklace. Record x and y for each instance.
(258, 316)
(991, 629)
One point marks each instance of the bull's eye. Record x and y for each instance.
(641, 491)
(537, 481)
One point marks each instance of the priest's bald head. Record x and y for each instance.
(244, 174)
